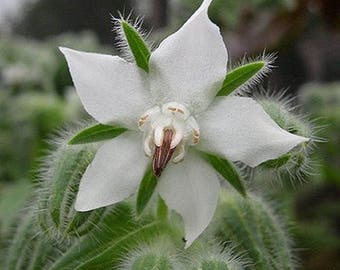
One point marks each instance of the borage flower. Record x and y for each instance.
(167, 108)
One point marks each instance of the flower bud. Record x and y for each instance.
(159, 255)
(206, 257)
(59, 180)
(295, 163)
(260, 235)
(28, 249)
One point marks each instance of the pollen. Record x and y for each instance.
(196, 136)
(176, 110)
(142, 120)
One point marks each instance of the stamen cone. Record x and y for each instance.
(163, 153)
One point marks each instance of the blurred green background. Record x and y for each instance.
(37, 96)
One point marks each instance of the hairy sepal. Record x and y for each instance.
(96, 133)
(131, 41)
(245, 75)
(297, 163)
(145, 191)
(227, 170)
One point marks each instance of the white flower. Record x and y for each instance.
(166, 110)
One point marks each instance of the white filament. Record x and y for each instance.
(172, 116)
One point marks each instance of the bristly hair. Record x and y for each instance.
(121, 43)
(163, 247)
(46, 175)
(262, 206)
(301, 165)
(215, 251)
(268, 60)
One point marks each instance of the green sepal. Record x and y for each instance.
(240, 75)
(145, 191)
(97, 133)
(162, 209)
(277, 163)
(139, 49)
(227, 170)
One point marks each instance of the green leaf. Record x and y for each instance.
(146, 189)
(97, 133)
(139, 49)
(227, 170)
(240, 75)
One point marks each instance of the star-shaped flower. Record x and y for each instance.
(167, 110)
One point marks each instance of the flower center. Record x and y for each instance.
(168, 130)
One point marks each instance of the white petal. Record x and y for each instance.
(189, 66)
(114, 174)
(111, 89)
(191, 189)
(239, 129)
